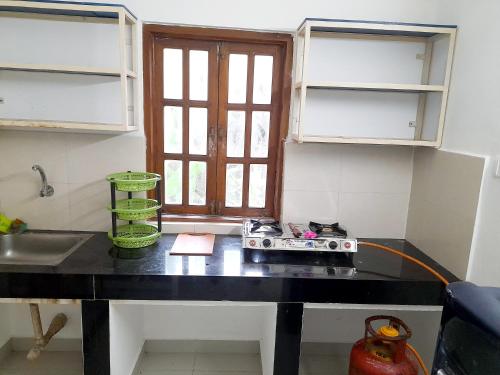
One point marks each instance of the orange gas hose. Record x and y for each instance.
(419, 358)
(408, 257)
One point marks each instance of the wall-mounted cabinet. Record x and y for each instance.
(369, 82)
(67, 66)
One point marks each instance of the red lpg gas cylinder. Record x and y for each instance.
(383, 351)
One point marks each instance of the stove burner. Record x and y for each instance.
(266, 226)
(328, 230)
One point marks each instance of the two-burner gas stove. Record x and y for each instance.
(266, 234)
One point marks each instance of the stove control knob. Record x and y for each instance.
(320, 243)
(333, 245)
(266, 242)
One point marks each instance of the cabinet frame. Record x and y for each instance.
(100, 13)
(366, 30)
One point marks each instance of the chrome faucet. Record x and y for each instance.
(46, 190)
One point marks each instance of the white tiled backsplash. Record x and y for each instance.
(76, 165)
(366, 188)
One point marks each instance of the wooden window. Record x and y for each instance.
(216, 114)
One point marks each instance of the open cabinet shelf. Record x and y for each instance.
(388, 87)
(65, 69)
(371, 82)
(66, 8)
(160, 331)
(67, 66)
(366, 141)
(79, 127)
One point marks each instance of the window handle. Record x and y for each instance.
(212, 141)
(221, 133)
(212, 132)
(212, 208)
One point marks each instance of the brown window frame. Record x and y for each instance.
(153, 37)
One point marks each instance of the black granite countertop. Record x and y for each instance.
(97, 270)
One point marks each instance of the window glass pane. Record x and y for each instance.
(262, 79)
(257, 187)
(234, 185)
(235, 133)
(197, 183)
(172, 73)
(198, 131)
(173, 182)
(260, 134)
(198, 75)
(172, 129)
(237, 78)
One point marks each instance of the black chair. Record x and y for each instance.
(469, 338)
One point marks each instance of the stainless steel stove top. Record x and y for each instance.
(270, 235)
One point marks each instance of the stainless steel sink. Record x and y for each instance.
(34, 248)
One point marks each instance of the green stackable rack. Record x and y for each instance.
(134, 235)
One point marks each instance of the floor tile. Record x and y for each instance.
(323, 365)
(167, 372)
(49, 363)
(227, 362)
(199, 364)
(167, 361)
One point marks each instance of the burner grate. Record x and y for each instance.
(269, 227)
(328, 230)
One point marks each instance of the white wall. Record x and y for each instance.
(21, 325)
(443, 206)
(15, 320)
(4, 324)
(472, 123)
(278, 15)
(268, 339)
(126, 331)
(77, 164)
(205, 321)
